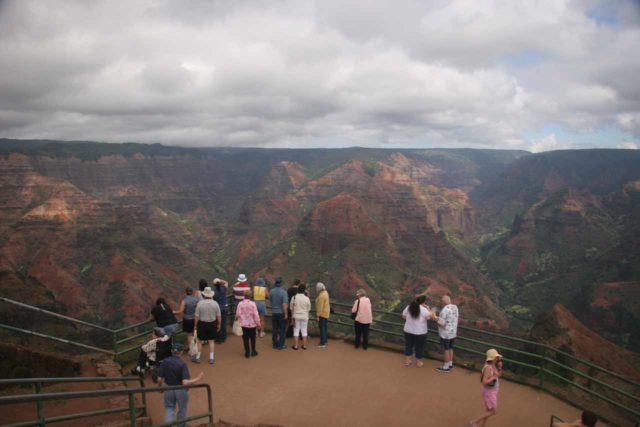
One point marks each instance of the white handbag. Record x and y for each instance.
(237, 328)
(193, 346)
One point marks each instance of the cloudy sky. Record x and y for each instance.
(531, 74)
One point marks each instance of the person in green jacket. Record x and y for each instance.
(322, 312)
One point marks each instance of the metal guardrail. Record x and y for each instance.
(553, 419)
(131, 409)
(535, 356)
(39, 382)
(542, 354)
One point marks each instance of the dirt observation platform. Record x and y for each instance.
(342, 386)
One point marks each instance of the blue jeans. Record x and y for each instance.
(171, 329)
(278, 330)
(173, 397)
(415, 343)
(323, 324)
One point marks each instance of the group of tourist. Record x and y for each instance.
(205, 313)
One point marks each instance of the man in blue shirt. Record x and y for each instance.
(279, 304)
(173, 371)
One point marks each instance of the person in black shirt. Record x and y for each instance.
(173, 371)
(220, 296)
(163, 315)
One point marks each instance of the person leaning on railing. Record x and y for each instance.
(174, 372)
(362, 315)
(163, 315)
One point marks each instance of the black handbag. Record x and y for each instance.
(353, 315)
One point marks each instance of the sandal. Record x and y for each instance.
(419, 364)
(407, 363)
(304, 348)
(294, 347)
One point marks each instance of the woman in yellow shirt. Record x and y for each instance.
(260, 295)
(322, 312)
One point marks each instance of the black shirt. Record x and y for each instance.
(163, 315)
(173, 370)
(291, 292)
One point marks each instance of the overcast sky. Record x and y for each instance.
(534, 75)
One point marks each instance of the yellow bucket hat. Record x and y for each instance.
(492, 354)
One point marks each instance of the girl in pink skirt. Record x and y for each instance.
(491, 372)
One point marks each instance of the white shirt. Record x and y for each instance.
(416, 326)
(300, 307)
(448, 322)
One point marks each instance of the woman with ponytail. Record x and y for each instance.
(415, 330)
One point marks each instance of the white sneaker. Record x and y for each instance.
(262, 334)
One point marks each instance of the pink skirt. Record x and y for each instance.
(490, 397)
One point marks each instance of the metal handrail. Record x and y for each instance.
(21, 381)
(131, 408)
(53, 314)
(541, 350)
(49, 337)
(544, 358)
(39, 382)
(554, 418)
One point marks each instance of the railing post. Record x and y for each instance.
(541, 368)
(144, 399)
(132, 410)
(115, 345)
(209, 398)
(41, 421)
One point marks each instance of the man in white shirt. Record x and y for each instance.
(447, 329)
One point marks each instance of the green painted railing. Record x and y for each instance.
(131, 409)
(532, 363)
(38, 383)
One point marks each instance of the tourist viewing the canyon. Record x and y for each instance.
(431, 207)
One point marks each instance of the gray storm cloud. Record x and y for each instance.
(329, 73)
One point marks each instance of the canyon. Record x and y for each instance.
(99, 231)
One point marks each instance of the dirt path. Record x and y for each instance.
(341, 386)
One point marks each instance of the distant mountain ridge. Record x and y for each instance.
(102, 229)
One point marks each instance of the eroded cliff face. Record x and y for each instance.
(106, 236)
(560, 329)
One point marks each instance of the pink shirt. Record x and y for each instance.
(365, 315)
(247, 314)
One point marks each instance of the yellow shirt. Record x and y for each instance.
(259, 293)
(322, 304)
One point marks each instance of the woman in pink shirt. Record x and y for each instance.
(247, 315)
(363, 317)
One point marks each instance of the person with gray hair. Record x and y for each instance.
(322, 313)
(447, 329)
(153, 351)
